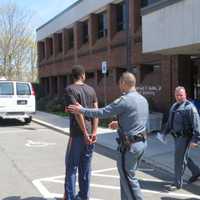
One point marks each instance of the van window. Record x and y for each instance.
(6, 89)
(23, 89)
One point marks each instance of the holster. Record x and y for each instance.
(125, 141)
(185, 133)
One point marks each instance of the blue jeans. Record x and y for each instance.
(127, 164)
(78, 156)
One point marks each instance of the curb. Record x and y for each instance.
(48, 125)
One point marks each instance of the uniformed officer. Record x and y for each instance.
(132, 112)
(184, 125)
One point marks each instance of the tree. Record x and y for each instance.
(17, 44)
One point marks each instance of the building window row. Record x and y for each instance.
(61, 42)
(145, 3)
(121, 16)
(85, 34)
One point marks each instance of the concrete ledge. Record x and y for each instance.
(56, 128)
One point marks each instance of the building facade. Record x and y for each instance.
(172, 27)
(91, 31)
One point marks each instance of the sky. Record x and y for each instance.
(43, 10)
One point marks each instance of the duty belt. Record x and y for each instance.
(137, 138)
(177, 134)
(126, 140)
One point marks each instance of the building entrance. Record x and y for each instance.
(196, 78)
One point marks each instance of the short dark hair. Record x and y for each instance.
(77, 71)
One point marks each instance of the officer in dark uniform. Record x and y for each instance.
(184, 125)
(132, 112)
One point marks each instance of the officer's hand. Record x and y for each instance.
(193, 145)
(74, 108)
(113, 125)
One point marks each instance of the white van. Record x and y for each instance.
(17, 100)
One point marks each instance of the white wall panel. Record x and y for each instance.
(171, 27)
(67, 18)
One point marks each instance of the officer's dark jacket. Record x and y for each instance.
(186, 120)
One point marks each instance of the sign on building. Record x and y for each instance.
(104, 67)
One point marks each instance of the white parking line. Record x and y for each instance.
(97, 173)
(31, 143)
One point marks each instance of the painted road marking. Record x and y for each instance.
(38, 183)
(31, 143)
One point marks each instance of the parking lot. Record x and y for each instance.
(32, 168)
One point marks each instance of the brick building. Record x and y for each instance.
(92, 31)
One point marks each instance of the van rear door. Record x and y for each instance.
(7, 100)
(25, 97)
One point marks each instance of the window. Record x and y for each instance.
(60, 42)
(90, 75)
(6, 89)
(41, 51)
(145, 3)
(84, 32)
(148, 69)
(71, 38)
(102, 25)
(119, 72)
(121, 16)
(55, 85)
(51, 46)
(23, 89)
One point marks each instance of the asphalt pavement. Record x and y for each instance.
(158, 154)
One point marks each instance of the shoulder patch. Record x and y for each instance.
(194, 109)
(118, 100)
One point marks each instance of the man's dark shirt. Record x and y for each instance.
(84, 95)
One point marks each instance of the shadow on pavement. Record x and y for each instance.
(10, 122)
(19, 198)
(171, 198)
(165, 176)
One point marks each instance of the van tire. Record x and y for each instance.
(28, 120)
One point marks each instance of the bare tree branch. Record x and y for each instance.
(17, 46)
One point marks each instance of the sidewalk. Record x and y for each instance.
(157, 154)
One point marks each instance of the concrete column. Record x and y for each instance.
(77, 39)
(48, 47)
(93, 28)
(51, 86)
(41, 51)
(55, 44)
(59, 86)
(134, 16)
(65, 41)
(95, 78)
(185, 76)
(112, 21)
(38, 52)
(114, 75)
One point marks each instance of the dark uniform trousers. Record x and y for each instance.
(127, 164)
(182, 147)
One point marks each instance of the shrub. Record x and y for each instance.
(55, 105)
(41, 103)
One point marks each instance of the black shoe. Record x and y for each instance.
(79, 198)
(172, 188)
(193, 178)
